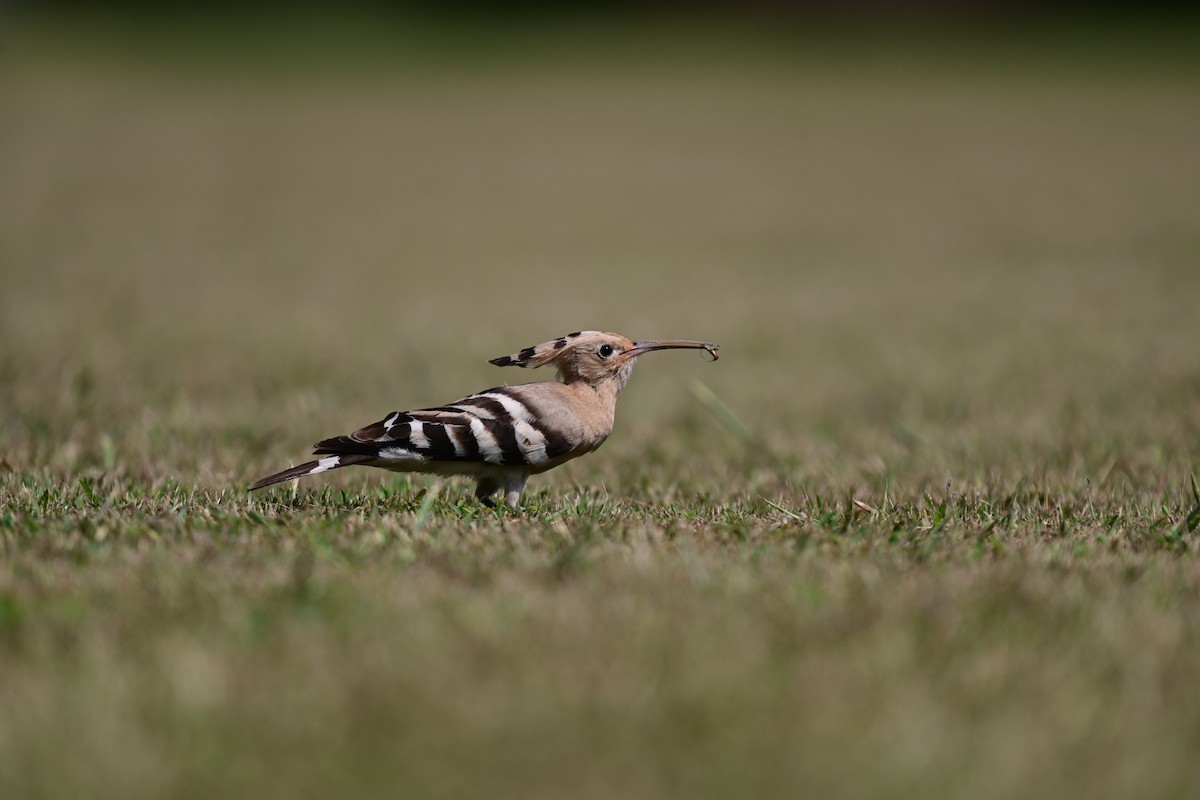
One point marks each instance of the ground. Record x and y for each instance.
(928, 528)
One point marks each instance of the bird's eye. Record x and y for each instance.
(606, 350)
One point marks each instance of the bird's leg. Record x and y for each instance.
(514, 483)
(484, 489)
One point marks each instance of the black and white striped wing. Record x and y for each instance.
(493, 427)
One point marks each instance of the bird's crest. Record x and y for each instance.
(539, 355)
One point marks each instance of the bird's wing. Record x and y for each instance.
(497, 426)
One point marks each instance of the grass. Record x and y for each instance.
(928, 528)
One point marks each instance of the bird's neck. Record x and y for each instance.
(606, 393)
(597, 402)
(603, 391)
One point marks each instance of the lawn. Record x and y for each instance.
(929, 528)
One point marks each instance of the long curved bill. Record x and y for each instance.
(646, 345)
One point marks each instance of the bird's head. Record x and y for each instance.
(595, 357)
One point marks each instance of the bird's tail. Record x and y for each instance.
(312, 468)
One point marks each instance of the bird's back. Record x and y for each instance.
(533, 427)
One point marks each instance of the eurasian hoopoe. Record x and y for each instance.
(502, 436)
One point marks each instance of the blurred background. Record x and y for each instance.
(926, 529)
(931, 236)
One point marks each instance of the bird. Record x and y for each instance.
(503, 435)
